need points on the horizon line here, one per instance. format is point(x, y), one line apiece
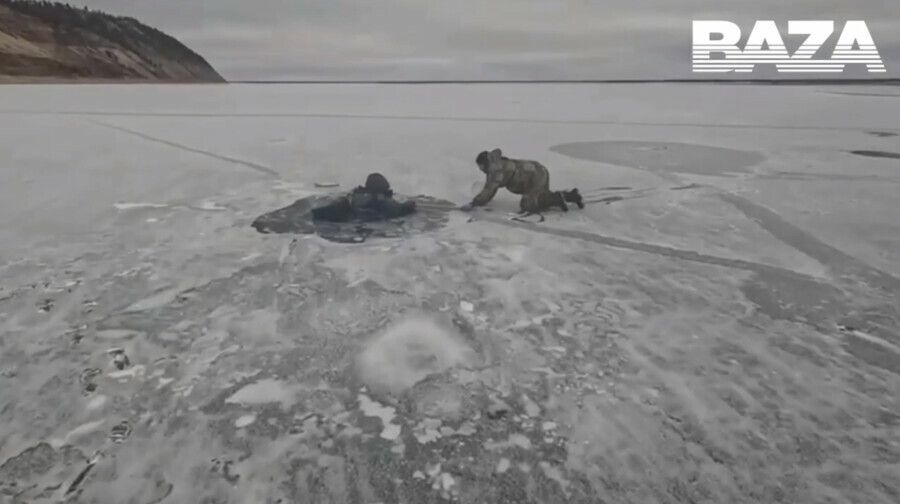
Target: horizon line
point(796, 81)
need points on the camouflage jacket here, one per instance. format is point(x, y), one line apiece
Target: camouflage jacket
point(518, 176)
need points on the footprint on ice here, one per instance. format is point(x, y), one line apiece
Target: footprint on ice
point(120, 432)
point(87, 379)
point(119, 359)
point(431, 214)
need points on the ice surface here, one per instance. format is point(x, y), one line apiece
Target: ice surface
point(719, 324)
point(408, 352)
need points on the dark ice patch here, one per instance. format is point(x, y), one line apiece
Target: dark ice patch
point(608, 188)
point(794, 298)
point(882, 134)
point(664, 156)
point(686, 187)
point(876, 154)
point(431, 214)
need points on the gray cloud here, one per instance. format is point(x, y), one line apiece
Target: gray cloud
point(472, 39)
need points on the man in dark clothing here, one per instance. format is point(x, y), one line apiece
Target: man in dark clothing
point(372, 202)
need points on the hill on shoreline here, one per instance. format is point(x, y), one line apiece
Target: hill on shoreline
point(51, 41)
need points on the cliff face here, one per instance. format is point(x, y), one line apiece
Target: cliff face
point(45, 40)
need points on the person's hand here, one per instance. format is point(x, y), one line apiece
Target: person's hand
point(467, 207)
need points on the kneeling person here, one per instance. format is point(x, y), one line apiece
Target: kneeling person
point(524, 177)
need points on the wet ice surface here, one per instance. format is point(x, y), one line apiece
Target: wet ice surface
point(296, 218)
point(720, 326)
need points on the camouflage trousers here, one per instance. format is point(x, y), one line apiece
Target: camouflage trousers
point(541, 201)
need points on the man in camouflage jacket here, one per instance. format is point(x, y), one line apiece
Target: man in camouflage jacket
point(527, 178)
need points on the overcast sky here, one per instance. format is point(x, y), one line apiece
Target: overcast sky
point(475, 39)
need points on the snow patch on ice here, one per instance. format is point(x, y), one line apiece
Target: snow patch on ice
point(375, 409)
point(97, 403)
point(245, 420)
point(133, 206)
point(262, 392)
point(409, 351)
point(211, 206)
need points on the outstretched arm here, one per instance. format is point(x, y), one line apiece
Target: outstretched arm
point(493, 184)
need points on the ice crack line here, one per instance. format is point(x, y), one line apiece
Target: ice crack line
point(249, 164)
point(839, 262)
point(686, 255)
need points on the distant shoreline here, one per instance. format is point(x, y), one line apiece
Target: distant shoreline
point(8, 79)
point(5, 79)
point(773, 82)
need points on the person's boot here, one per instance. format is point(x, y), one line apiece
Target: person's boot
point(574, 196)
point(560, 200)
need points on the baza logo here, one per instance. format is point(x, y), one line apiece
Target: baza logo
point(765, 46)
